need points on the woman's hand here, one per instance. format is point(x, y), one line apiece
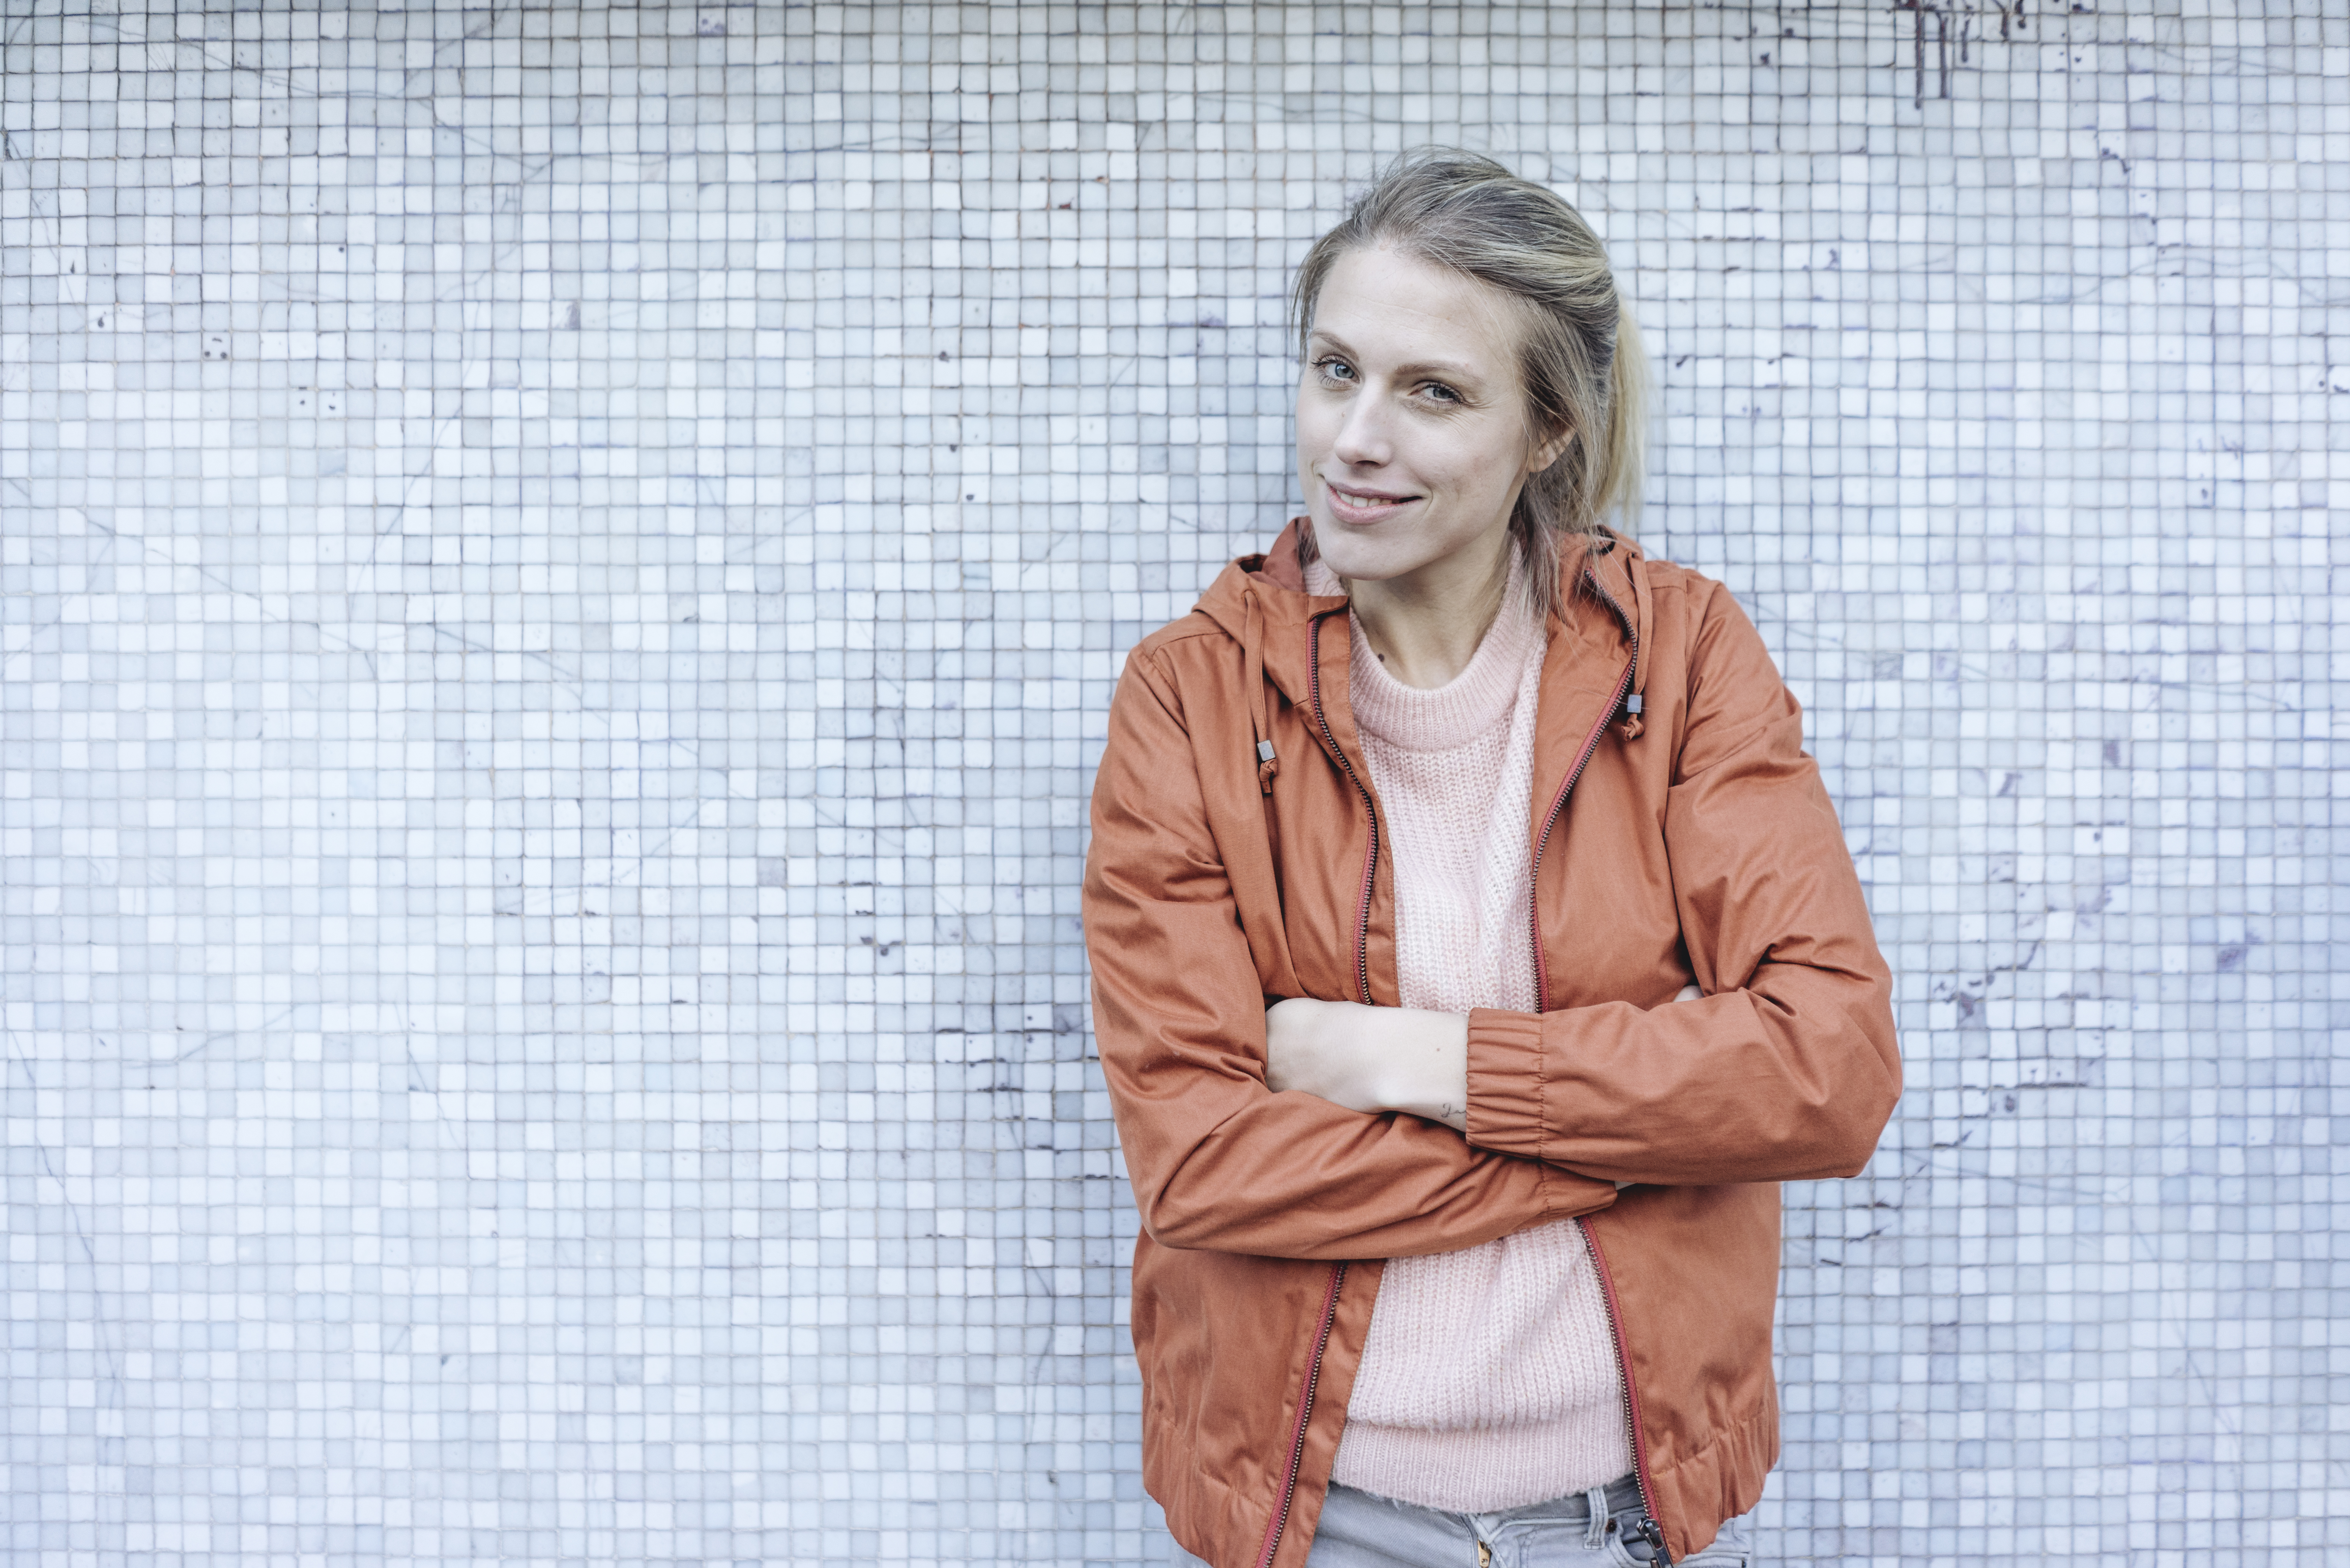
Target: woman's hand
point(1376, 1058)
point(1371, 1058)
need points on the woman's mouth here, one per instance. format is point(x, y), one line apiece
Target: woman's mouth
point(1348, 504)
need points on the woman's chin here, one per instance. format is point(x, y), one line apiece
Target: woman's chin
point(1368, 555)
point(1352, 550)
point(1349, 560)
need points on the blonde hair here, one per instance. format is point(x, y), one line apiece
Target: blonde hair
point(1579, 353)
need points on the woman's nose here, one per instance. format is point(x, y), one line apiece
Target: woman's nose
point(1362, 436)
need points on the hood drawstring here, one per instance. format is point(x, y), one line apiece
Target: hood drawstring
point(1644, 626)
point(1634, 701)
point(1260, 720)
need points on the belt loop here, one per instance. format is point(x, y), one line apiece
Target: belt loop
point(1594, 1534)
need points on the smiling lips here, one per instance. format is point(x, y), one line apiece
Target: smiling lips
point(1359, 506)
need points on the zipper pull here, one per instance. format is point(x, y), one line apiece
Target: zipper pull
point(1632, 725)
point(1650, 1531)
point(1484, 1555)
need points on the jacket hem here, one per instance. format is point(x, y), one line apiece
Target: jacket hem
point(1718, 1482)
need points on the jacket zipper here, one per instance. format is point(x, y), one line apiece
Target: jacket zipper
point(1280, 1519)
point(1654, 1528)
point(1541, 998)
point(1370, 814)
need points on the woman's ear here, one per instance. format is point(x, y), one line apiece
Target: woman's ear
point(1550, 448)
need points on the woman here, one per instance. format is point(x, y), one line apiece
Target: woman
point(1461, 1239)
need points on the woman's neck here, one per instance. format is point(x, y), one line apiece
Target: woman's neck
point(1426, 627)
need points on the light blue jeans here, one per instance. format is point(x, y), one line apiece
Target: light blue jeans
point(1597, 1529)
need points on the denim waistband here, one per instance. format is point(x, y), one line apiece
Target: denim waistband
point(1623, 1496)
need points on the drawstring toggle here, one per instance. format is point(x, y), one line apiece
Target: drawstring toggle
point(1253, 675)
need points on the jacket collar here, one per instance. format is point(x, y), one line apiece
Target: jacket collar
point(1615, 566)
point(1279, 621)
point(1603, 605)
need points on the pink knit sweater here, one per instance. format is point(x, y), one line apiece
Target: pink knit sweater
point(1488, 1379)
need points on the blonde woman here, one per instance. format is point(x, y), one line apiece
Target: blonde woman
point(1475, 950)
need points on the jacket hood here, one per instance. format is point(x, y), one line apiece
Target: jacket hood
point(1261, 602)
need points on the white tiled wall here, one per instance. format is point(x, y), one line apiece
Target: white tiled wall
point(563, 566)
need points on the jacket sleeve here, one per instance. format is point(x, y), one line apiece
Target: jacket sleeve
point(1218, 1161)
point(1787, 1068)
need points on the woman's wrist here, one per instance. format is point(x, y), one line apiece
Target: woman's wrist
point(1425, 1065)
point(1372, 1059)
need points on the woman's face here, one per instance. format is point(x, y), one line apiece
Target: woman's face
point(1411, 421)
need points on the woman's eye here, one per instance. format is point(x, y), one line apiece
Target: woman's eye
point(1442, 393)
point(1336, 369)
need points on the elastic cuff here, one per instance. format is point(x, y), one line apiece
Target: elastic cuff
point(1505, 1081)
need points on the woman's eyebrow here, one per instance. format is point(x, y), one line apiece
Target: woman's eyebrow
point(1448, 369)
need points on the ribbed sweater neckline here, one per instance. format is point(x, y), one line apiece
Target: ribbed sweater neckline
point(1443, 718)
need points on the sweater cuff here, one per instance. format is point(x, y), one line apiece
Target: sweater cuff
point(1506, 1082)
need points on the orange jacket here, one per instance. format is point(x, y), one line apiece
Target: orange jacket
point(1680, 833)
